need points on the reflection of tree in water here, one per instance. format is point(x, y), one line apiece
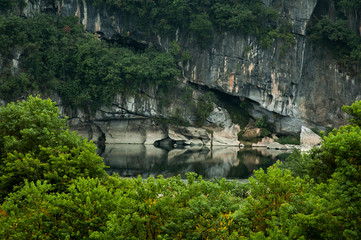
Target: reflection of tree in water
point(239, 168)
point(232, 162)
point(253, 160)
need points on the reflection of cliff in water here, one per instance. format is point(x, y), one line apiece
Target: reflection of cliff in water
point(131, 160)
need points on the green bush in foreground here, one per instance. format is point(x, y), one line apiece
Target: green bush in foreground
point(121, 208)
point(54, 201)
point(35, 144)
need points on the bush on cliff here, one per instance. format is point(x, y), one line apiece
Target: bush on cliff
point(199, 18)
point(55, 54)
point(333, 30)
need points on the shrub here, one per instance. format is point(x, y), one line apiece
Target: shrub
point(35, 144)
point(289, 139)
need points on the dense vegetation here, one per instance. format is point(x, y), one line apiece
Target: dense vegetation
point(56, 54)
point(201, 18)
point(334, 31)
point(35, 144)
point(48, 199)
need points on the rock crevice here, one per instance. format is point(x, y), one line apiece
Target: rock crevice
point(292, 85)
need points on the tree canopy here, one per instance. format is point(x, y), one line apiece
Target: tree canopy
point(333, 30)
point(57, 55)
point(36, 144)
point(319, 201)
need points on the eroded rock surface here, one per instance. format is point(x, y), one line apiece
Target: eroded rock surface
point(308, 137)
point(289, 85)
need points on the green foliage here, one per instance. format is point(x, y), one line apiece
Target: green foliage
point(59, 191)
point(273, 207)
point(204, 107)
point(186, 56)
point(34, 211)
point(290, 139)
point(13, 33)
point(349, 4)
point(354, 111)
point(122, 208)
point(283, 156)
point(15, 86)
point(199, 18)
point(265, 125)
point(35, 144)
point(240, 135)
point(26, 125)
point(265, 132)
point(57, 55)
point(201, 27)
point(336, 167)
point(6, 5)
point(339, 152)
point(301, 164)
point(174, 48)
point(337, 35)
point(262, 122)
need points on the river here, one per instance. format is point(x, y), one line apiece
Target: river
point(131, 160)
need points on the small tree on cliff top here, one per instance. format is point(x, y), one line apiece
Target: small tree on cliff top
point(35, 144)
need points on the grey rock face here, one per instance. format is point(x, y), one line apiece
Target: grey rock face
point(308, 137)
point(219, 117)
point(294, 85)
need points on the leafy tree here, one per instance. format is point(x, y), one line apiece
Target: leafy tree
point(35, 212)
point(22, 217)
point(338, 153)
point(35, 144)
point(336, 166)
point(273, 207)
point(204, 107)
point(121, 208)
point(57, 55)
point(201, 27)
point(13, 33)
point(335, 34)
point(349, 4)
point(199, 17)
point(354, 111)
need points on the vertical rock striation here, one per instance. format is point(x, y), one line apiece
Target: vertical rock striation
point(294, 85)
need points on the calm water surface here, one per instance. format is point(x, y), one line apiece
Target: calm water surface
point(131, 160)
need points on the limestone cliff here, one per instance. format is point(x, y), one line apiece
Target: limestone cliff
point(297, 85)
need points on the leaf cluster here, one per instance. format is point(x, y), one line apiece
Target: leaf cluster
point(321, 203)
point(205, 106)
point(57, 55)
point(336, 167)
point(336, 34)
point(35, 144)
point(199, 18)
point(121, 208)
